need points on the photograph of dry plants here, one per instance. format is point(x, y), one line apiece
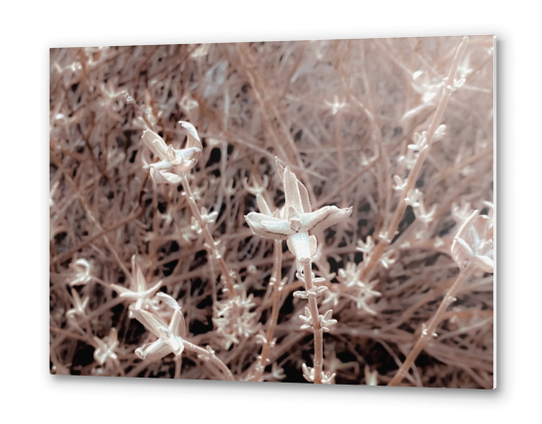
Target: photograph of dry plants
point(304, 211)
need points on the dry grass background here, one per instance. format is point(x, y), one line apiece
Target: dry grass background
point(341, 114)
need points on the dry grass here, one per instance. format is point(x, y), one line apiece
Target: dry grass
point(340, 114)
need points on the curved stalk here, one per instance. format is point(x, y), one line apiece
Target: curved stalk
point(208, 237)
point(428, 332)
point(413, 175)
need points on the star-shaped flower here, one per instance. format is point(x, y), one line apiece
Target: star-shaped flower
point(308, 373)
point(106, 347)
point(169, 336)
point(179, 161)
point(296, 219)
point(474, 243)
point(138, 291)
point(336, 105)
point(365, 296)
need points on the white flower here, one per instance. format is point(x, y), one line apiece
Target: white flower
point(413, 198)
point(308, 374)
point(409, 160)
point(106, 347)
point(423, 215)
point(428, 88)
point(138, 291)
point(440, 133)
point(388, 258)
point(208, 217)
point(400, 184)
point(82, 269)
point(326, 321)
point(366, 247)
point(366, 295)
point(277, 372)
point(460, 214)
point(336, 105)
point(233, 319)
point(313, 292)
point(256, 187)
point(307, 319)
point(297, 219)
point(474, 243)
point(349, 276)
point(420, 141)
point(371, 377)
point(332, 297)
point(169, 336)
point(180, 161)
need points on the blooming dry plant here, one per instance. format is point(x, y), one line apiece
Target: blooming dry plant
point(177, 172)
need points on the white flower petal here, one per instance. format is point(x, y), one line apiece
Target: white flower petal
point(153, 351)
point(138, 280)
point(165, 177)
point(279, 226)
point(301, 246)
point(152, 323)
point(193, 139)
point(291, 191)
point(333, 216)
point(122, 290)
point(163, 165)
point(168, 300)
point(313, 245)
point(262, 204)
point(305, 200)
point(184, 155)
point(484, 263)
point(178, 325)
point(255, 222)
point(156, 144)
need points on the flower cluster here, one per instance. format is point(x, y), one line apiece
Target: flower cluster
point(234, 319)
point(351, 287)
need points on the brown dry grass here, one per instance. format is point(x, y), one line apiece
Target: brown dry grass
point(340, 114)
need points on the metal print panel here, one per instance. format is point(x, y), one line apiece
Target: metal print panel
point(301, 211)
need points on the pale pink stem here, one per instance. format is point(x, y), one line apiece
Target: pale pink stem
point(427, 332)
point(317, 328)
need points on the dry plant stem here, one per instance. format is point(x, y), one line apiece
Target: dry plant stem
point(90, 214)
point(178, 366)
point(317, 328)
point(427, 334)
point(340, 148)
point(202, 353)
point(277, 291)
point(290, 148)
point(154, 243)
point(413, 175)
point(69, 253)
point(315, 102)
point(208, 237)
point(209, 358)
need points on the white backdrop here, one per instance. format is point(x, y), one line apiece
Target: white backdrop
point(28, 31)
